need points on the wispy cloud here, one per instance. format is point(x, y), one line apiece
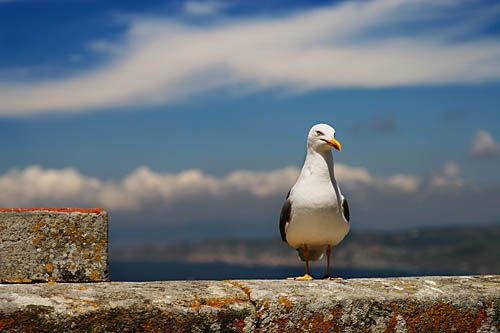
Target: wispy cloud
point(352, 44)
point(484, 146)
point(203, 8)
point(193, 197)
point(104, 46)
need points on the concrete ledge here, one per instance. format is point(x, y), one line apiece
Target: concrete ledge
point(439, 304)
point(53, 244)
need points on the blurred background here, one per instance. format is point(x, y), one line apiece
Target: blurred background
point(187, 122)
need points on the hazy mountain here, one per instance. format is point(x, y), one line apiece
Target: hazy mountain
point(454, 250)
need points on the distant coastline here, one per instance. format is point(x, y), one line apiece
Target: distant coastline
point(446, 251)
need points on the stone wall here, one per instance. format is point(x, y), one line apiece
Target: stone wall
point(417, 304)
point(53, 244)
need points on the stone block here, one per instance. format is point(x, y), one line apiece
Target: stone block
point(53, 244)
point(412, 304)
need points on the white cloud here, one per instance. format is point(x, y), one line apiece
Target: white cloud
point(35, 186)
point(352, 174)
point(143, 186)
point(250, 198)
point(484, 146)
point(404, 182)
point(447, 176)
point(163, 60)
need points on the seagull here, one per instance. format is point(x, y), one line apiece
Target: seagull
point(315, 214)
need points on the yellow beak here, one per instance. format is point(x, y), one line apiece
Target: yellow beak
point(334, 143)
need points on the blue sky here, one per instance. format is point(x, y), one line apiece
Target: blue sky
point(153, 108)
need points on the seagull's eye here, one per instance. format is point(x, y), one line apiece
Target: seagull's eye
point(319, 133)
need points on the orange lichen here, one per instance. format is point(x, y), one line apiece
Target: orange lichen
point(39, 224)
point(238, 326)
point(94, 275)
point(18, 322)
point(49, 267)
point(245, 289)
point(147, 327)
point(319, 324)
point(63, 210)
point(92, 303)
point(57, 235)
point(7, 322)
point(390, 325)
point(97, 247)
point(216, 302)
point(441, 317)
point(37, 239)
point(18, 279)
point(282, 323)
point(288, 305)
point(92, 238)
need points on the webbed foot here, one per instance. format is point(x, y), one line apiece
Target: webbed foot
point(306, 277)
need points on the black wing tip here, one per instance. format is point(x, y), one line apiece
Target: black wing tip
point(285, 217)
point(345, 207)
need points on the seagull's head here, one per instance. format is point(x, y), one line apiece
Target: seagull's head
point(322, 137)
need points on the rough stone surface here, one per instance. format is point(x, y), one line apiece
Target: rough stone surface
point(53, 244)
point(420, 304)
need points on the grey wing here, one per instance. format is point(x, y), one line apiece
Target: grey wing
point(285, 216)
point(345, 209)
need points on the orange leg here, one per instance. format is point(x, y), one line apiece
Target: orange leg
point(328, 254)
point(307, 276)
point(306, 254)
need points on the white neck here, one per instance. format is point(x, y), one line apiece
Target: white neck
point(318, 165)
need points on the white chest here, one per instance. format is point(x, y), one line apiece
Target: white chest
point(315, 217)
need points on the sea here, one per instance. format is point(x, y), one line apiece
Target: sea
point(171, 270)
